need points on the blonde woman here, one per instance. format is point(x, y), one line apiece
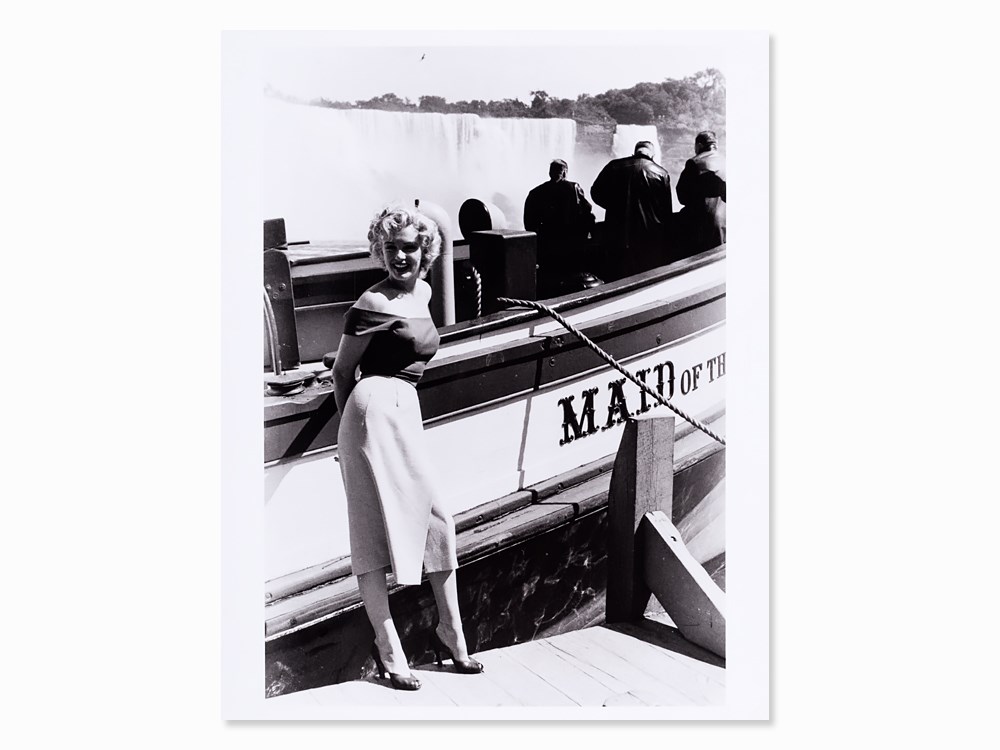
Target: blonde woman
point(395, 518)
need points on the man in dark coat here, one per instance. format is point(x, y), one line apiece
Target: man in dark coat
point(562, 217)
point(702, 189)
point(635, 192)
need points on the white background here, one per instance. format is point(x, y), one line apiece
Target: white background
point(883, 403)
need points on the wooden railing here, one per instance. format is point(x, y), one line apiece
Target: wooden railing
point(646, 554)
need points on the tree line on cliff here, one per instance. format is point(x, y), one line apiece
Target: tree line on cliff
point(696, 102)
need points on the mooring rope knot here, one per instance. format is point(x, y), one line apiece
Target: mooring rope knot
point(609, 359)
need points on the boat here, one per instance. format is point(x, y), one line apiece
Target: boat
point(524, 421)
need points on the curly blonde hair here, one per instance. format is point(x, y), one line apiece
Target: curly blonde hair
point(391, 220)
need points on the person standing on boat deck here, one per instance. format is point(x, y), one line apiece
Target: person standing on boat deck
point(562, 217)
point(701, 188)
point(635, 193)
point(395, 517)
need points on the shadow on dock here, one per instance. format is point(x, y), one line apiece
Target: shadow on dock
point(663, 636)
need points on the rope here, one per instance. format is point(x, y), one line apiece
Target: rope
point(610, 360)
point(479, 290)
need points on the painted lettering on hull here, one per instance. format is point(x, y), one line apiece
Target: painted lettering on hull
point(571, 421)
point(667, 383)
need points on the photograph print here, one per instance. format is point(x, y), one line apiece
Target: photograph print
point(493, 337)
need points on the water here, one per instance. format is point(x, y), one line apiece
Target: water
point(327, 171)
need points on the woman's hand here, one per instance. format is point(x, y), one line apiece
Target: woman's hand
point(345, 367)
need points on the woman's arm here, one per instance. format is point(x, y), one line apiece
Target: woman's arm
point(345, 367)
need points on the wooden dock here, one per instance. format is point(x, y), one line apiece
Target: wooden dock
point(630, 664)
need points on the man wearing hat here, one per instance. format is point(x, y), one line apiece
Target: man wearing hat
point(635, 192)
point(562, 217)
point(702, 190)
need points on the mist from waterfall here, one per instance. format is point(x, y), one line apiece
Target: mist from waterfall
point(327, 171)
point(626, 136)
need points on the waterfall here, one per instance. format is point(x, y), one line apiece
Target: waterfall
point(327, 171)
point(626, 136)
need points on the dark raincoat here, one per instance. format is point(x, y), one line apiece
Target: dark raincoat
point(635, 193)
point(701, 188)
point(562, 217)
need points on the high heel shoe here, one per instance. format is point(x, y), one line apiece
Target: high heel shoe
point(463, 666)
point(398, 681)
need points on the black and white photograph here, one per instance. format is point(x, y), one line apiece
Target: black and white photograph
point(499, 375)
point(492, 274)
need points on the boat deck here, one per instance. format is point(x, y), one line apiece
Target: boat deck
point(641, 664)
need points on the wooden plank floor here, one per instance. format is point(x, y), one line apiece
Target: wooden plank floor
point(622, 665)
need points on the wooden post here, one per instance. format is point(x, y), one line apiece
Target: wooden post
point(642, 480)
point(506, 260)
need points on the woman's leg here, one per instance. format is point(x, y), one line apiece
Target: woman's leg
point(441, 561)
point(376, 600)
point(445, 588)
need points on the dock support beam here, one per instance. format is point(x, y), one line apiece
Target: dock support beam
point(687, 592)
point(642, 480)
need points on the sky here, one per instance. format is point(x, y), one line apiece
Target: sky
point(348, 67)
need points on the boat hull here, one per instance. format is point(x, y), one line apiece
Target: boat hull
point(508, 408)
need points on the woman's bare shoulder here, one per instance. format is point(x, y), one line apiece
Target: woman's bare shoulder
point(374, 299)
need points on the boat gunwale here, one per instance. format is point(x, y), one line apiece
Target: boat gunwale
point(317, 405)
point(282, 409)
point(503, 318)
